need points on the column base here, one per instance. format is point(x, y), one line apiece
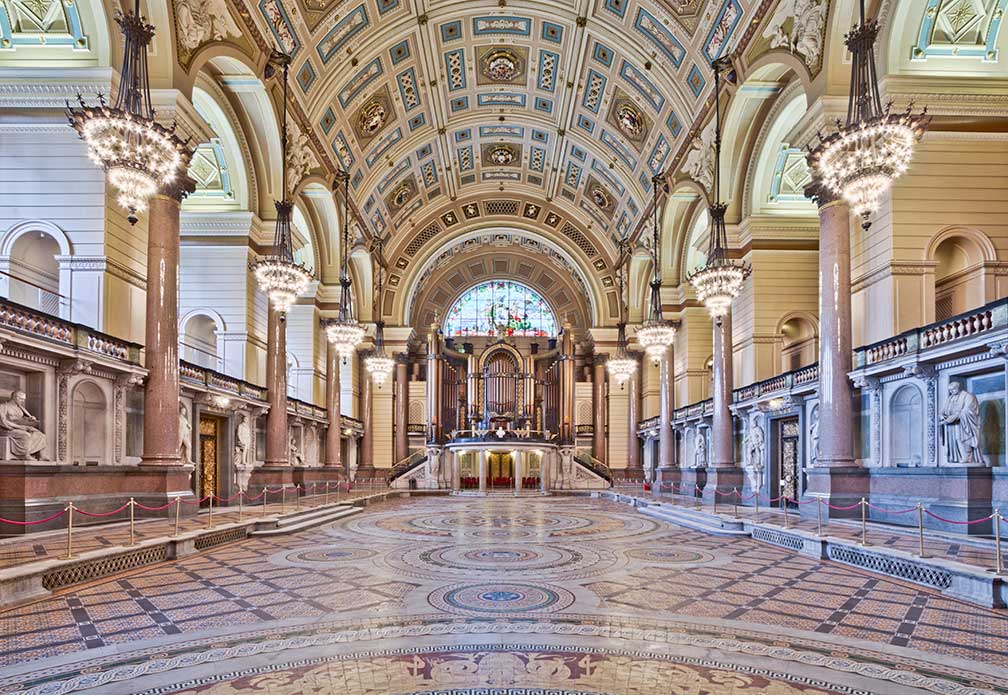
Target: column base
point(269, 476)
point(691, 479)
point(35, 490)
point(724, 480)
point(317, 476)
point(840, 486)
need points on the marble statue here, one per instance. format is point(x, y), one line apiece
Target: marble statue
point(184, 434)
point(960, 420)
point(752, 455)
point(814, 439)
point(295, 452)
point(243, 439)
point(27, 441)
point(805, 36)
point(700, 450)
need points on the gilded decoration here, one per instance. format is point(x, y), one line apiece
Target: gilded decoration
point(375, 113)
point(629, 119)
point(600, 196)
point(501, 155)
point(401, 194)
point(499, 65)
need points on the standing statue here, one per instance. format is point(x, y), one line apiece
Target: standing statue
point(243, 439)
point(814, 439)
point(960, 421)
point(27, 441)
point(184, 434)
point(700, 449)
point(752, 455)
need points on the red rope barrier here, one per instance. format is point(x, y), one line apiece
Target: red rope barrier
point(843, 509)
point(891, 511)
point(157, 509)
point(92, 514)
point(196, 503)
point(225, 500)
point(960, 523)
point(38, 521)
point(253, 499)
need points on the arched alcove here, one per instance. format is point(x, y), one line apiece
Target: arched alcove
point(799, 342)
point(88, 433)
point(33, 273)
point(906, 427)
point(199, 341)
point(960, 282)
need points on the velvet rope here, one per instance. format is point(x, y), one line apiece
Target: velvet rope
point(38, 521)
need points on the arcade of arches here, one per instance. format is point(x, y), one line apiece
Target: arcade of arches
point(199, 492)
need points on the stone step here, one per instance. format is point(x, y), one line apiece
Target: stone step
point(717, 525)
point(284, 526)
point(309, 513)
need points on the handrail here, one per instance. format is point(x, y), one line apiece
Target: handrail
point(415, 458)
point(600, 468)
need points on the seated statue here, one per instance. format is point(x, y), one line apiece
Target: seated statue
point(27, 441)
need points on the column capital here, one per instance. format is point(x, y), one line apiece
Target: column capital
point(178, 188)
point(823, 195)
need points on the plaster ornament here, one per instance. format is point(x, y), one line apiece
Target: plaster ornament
point(300, 157)
point(700, 160)
point(184, 434)
point(243, 439)
point(371, 117)
point(600, 198)
point(960, 421)
point(752, 455)
point(25, 439)
point(804, 35)
point(501, 66)
point(402, 195)
point(630, 119)
point(502, 155)
point(201, 21)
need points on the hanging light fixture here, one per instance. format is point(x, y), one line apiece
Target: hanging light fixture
point(139, 155)
point(344, 332)
point(656, 334)
point(379, 365)
point(718, 281)
point(278, 275)
point(622, 366)
point(866, 154)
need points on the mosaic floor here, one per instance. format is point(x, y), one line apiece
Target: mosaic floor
point(501, 595)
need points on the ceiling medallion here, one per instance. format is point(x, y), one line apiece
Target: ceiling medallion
point(501, 66)
point(402, 195)
point(502, 155)
point(599, 197)
point(630, 119)
point(371, 117)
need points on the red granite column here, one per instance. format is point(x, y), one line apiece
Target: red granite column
point(567, 386)
point(666, 404)
point(161, 394)
point(722, 434)
point(334, 453)
point(401, 395)
point(367, 439)
point(633, 422)
point(599, 407)
point(277, 440)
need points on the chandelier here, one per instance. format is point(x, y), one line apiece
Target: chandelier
point(622, 366)
point(139, 155)
point(865, 155)
point(278, 275)
point(719, 280)
point(656, 335)
point(344, 332)
point(379, 365)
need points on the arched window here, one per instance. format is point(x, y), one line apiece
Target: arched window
point(510, 307)
point(959, 277)
point(799, 343)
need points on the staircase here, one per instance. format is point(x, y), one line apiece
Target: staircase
point(411, 462)
point(597, 467)
point(308, 518)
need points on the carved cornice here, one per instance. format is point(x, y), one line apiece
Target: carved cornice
point(42, 88)
point(892, 268)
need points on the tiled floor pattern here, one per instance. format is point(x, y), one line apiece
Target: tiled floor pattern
point(978, 552)
point(535, 574)
point(86, 537)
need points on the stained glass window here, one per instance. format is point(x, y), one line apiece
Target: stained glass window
point(501, 305)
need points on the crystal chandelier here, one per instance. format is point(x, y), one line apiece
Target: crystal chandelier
point(718, 281)
point(656, 335)
point(278, 275)
point(865, 155)
point(622, 366)
point(139, 155)
point(344, 332)
point(378, 364)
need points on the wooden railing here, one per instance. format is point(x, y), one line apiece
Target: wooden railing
point(37, 324)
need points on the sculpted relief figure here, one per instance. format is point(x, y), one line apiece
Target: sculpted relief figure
point(700, 160)
point(700, 452)
point(295, 452)
point(960, 421)
point(805, 35)
point(243, 439)
point(27, 441)
point(184, 434)
point(753, 454)
point(200, 21)
point(814, 439)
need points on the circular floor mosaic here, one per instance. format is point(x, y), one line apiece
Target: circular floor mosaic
point(501, 560)
point(500, 598)
point(670, 556)
point(322, 555)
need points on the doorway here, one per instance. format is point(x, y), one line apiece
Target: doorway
point(500, 470)
point(786, 471)
point(209, 457)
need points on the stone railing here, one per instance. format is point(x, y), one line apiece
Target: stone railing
point(972, 324)
point(647, 425)
point(215, 381)
point(694, 410)
point(72, 335)
point(781, 383)
point(306, 409)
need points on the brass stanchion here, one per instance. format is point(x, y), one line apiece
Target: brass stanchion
point(132, 504)
point(178, 508)
point(297, 496)
point(864, 521)
point(735, 501)
point(70, 510)
point(327, 493)
point(241, 494)
point(920, 530)
point(715, 498)
point(756, 505)
point(699, 500)
point(283, 498)
point(998, 566)
point(265, 495)
point(818, 511)
point(783, 501)
point(210, 517)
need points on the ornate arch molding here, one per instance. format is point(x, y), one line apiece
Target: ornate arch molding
point(21, 228)
point(981, 240)
point(461, 271)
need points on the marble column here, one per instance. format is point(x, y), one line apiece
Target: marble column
point(482, 471)
point(161, 395)
point(334, 454)
point(666, 404)
point(567, 386)
point(722, 474)
point(836, 477)
point(366, 463)
point(519, 470)
point(277, 441)
point(401, 395)
point(634, 467)
point(599, 409)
